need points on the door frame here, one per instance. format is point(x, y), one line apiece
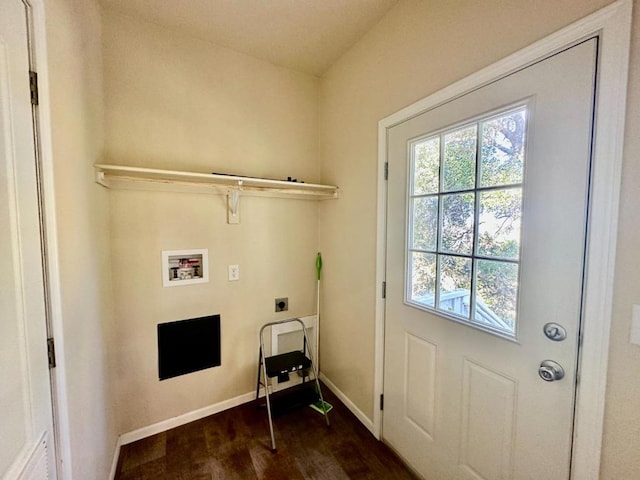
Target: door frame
point(612, 25)
point(60, 407)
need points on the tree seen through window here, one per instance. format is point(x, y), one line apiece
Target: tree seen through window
point(465, 220)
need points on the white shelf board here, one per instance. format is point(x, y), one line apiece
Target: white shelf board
point(124, 177)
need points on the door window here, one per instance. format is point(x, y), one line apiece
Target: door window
point(464, 221)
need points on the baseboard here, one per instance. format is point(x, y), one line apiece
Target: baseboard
point(366, 421)
point(194, 415)
point(114, 463)
point(170, 423)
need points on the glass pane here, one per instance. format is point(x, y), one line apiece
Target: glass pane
point(455, 285)
point(457, 223)
point(425, 223)
point(426, 166)
point(496, 294)
point(499, 223)
point(460, 160)
point(423, 278)
point(502, 152)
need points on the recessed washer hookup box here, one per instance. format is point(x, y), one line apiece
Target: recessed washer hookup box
point(186, 346)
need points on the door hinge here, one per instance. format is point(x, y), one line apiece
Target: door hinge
point(386, 170)
point(33, 86)
point(384, 289)
point(382, 401)
point(51, 352)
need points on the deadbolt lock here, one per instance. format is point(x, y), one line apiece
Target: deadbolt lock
point(554, 331)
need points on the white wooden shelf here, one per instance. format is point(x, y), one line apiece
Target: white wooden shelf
point(115, 176)
point(138, 178)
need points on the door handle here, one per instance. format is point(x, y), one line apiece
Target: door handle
point(550, 371)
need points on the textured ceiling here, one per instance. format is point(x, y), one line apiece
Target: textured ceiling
point(304, 35)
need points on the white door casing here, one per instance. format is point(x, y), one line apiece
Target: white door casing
point(612, 26)
point(27, 447)
point(461, 402)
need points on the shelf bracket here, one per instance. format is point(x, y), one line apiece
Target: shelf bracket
point(100, 178)
point(233, 204)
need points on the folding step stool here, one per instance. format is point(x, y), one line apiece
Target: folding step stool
point(281, 366)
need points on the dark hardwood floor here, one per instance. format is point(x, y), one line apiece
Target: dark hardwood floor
point(235, 444)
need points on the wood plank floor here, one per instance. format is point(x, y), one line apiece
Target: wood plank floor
point(235, 444)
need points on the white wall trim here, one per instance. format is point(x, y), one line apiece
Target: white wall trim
point(613, 26)
point(602, 241)
point(116, 457)
point(366, 421)
point(185, 418)
point(62, 435)
point(381, 275)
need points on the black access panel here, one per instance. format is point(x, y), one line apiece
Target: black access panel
point(187, 346)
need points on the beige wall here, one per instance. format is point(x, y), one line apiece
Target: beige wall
point(176, 102)
point(179, 103)
point(75, 76)
point(418, 48)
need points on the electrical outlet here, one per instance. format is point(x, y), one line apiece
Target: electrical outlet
point(234, 273)
point(282, 304)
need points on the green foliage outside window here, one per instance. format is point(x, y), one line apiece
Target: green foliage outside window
point(446, 203)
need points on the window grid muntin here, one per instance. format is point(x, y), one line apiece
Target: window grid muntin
point(476, 214)
point(477, 190)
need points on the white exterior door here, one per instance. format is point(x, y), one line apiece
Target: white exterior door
point(26, 445)
point(486, 226)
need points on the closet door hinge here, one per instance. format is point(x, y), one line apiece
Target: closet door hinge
point(51, 352)
point(384, 289)
point(382, 401)
point(386, 170)
point(33, 87)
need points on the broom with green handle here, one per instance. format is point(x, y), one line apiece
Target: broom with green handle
point(317, 329)
point(317, 406)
